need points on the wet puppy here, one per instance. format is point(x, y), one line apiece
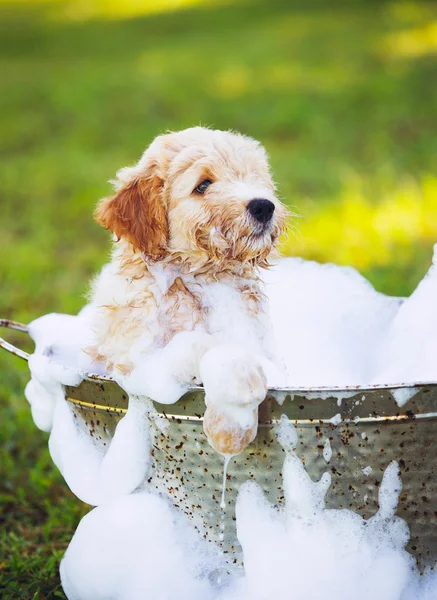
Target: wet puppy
point(194, 222)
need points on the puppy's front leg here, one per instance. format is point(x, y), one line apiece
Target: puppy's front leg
point(235, 385)
point(165, 374)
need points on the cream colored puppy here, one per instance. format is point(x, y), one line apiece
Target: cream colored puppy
point(194, 222)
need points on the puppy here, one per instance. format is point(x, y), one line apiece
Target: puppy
point(194, 222)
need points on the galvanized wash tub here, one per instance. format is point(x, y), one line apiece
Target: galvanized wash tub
point(370, 431)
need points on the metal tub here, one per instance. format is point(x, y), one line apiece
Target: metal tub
point(371, 431)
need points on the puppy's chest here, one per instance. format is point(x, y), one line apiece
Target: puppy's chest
point(232, 311)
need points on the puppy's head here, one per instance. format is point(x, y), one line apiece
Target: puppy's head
point(198, 194)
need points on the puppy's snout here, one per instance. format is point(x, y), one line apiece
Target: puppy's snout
point(262, 210)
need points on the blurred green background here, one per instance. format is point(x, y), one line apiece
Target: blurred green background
point(341, 93)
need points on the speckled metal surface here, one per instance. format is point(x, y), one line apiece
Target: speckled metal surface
point(371, 431)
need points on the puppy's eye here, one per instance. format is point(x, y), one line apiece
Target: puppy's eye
point(201, 188)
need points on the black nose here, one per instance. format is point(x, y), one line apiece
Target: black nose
point(261, 209)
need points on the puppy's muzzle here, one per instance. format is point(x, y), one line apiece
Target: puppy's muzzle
point(261, 209)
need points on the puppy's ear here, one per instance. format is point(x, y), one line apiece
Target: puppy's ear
point(137, 214)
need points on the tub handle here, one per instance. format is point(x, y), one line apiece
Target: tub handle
point(9, 347)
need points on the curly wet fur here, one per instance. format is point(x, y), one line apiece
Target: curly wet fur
point(172, 241)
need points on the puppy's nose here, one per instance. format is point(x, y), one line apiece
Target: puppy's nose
point(261, 209)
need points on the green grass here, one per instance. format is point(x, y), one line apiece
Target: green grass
point(339, 92)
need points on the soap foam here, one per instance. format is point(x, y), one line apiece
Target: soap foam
point(134, 548)
point(328, 322)
point(93, 471)
point(96, 473)
point(141, 547)
point(332, 329)
point(410, 348)
point(329, 328)
point(306, 552)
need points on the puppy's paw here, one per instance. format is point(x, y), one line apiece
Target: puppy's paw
point(232, 376)
point(227, 433)
point(235, 384)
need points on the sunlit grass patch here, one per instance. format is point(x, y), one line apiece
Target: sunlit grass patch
point(411, 43)
point(83, 10)
point(410, 12)
point(382, 230)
